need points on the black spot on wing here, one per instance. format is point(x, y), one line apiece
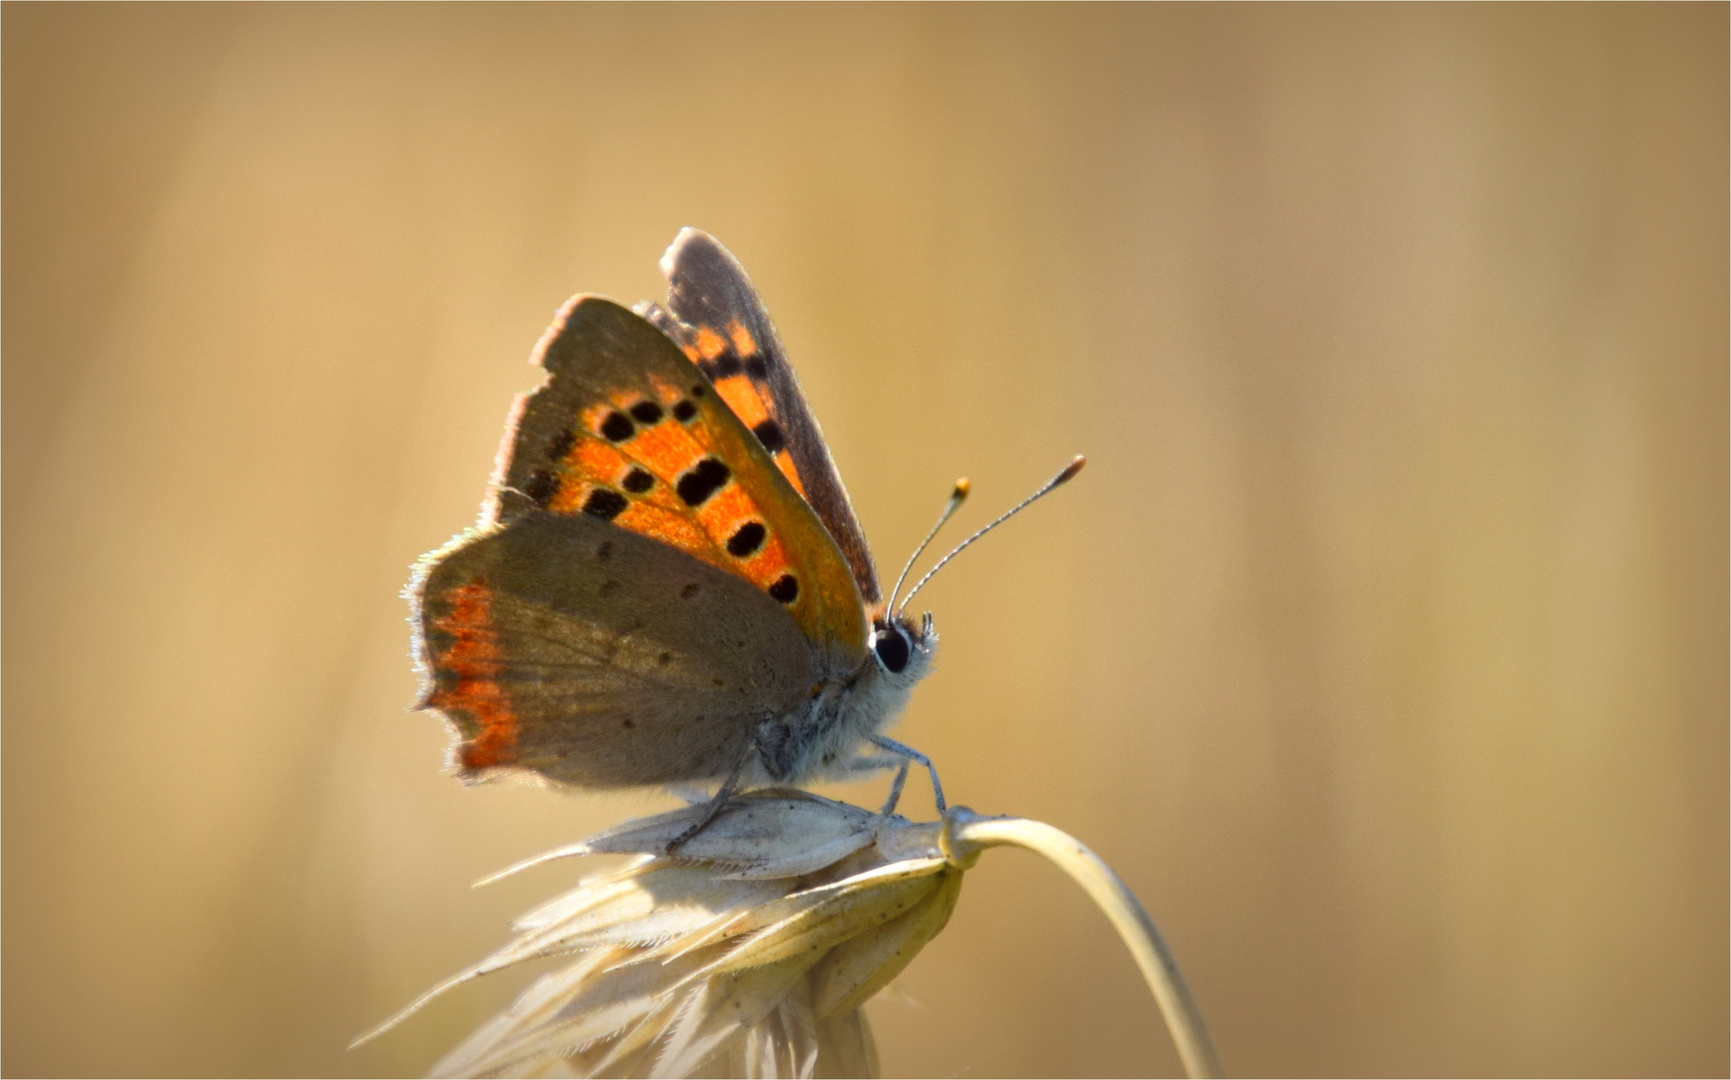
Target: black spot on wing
point(646, 413)
point(746, 540)
point(683, 411)
point(618, 427)
point(723, 366)
point(560, 445)
point(604, 503)
point(701, 481)
point(757, 367)
point(769, 433)
point(637, 481)
point(785, 589)
point(541, 488)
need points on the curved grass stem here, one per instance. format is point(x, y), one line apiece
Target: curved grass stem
point(966, 833)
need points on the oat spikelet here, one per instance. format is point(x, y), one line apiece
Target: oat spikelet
point(749, 953)
point(751, 950)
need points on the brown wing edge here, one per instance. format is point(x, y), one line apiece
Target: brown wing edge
point(490, 507)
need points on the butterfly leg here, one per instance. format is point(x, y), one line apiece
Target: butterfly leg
point(914, 756)
point(896, 789)
point(877, 762)
point(729, 788)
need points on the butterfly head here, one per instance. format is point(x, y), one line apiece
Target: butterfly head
point(903, 649)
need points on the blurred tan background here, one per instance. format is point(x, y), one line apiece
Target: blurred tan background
point(1382, 647)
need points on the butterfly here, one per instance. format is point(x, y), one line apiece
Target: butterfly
point(668, 584)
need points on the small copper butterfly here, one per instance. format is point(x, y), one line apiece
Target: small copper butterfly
point(668, 584)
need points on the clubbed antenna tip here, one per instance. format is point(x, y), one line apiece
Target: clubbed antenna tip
point(961, 492)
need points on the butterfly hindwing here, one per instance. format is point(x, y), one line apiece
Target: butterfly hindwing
point(627, 431)
point(570, 647)
point(717, 317)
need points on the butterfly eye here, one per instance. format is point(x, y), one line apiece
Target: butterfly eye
point(891, 647)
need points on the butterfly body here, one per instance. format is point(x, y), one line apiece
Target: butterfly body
point(667, 584)
point(818, 740)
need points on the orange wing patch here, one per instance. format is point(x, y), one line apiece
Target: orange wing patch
point(743, 343)
point(711, 301)
point(708, 344)
point(630, 430)
point(471, 664)
point(742, 397)
point(652, 465)
point(734, 365)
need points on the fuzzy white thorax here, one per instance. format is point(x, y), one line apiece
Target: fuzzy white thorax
point(827, 739)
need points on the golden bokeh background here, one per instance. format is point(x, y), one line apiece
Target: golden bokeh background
point(1382, 647)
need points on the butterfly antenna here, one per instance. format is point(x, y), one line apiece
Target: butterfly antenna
point(1070, 471)
point(956, 497)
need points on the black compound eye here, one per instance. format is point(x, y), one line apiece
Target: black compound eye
point(892, 648)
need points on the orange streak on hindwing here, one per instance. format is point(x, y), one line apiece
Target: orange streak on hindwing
point(473, 661)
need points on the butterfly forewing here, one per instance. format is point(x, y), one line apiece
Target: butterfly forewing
point(724, 328)
point(570, 647)
point(627, 431)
